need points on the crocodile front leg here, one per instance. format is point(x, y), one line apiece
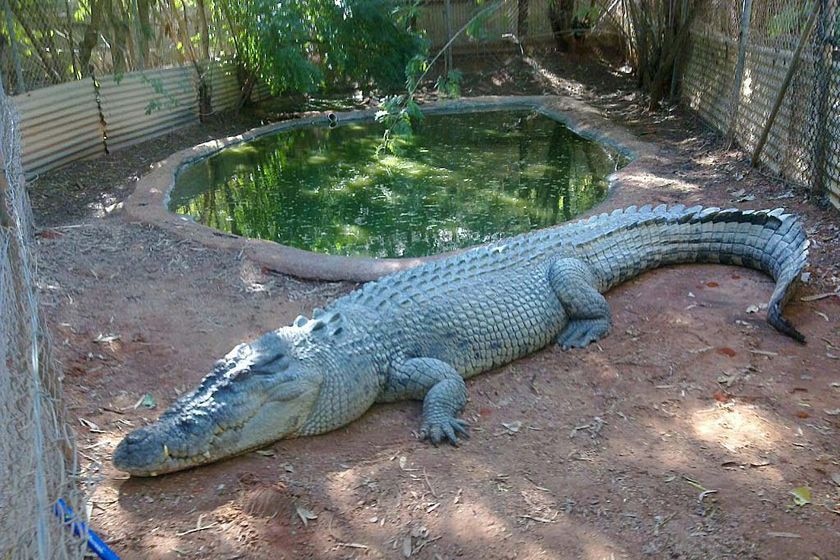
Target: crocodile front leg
point(588, 311)
point(442, 390)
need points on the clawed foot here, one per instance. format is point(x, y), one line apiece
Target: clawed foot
point(582, 332)
point(437, 430)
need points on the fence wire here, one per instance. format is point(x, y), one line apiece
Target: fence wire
point(37, 457)
point(48, 42)
point(803, 141)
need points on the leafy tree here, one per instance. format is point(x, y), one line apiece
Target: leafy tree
point(306, 45)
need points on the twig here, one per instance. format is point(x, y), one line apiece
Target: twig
point(819, 296)
point(537, 519)
point(429, 484)
point(196, 530)
point(352, 545)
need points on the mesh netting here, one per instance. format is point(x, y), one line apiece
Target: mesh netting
point(803, 141)
point(37, 459)
point(47, 42)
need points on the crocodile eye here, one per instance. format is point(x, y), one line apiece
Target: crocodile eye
point(270, 365)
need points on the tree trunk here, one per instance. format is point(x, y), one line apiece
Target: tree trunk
point(144, 28)
point(522, 21)
point(203, 30)
point(90, 38)
point(560, 14)
point(119, 36)
point(661, 80)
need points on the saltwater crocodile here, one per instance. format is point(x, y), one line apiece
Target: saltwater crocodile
point(417, 334)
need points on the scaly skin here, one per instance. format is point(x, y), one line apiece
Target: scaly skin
point(419, 333)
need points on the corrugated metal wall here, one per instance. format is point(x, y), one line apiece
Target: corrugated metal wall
point(59, 124)
point(224, 87)
point(497, 29)
point(65, 123)
point(145, 104)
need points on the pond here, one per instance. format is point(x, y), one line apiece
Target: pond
point(459, 180)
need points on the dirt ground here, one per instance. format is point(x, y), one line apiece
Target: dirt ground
point(690, 432)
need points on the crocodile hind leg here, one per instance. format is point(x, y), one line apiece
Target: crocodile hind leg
point(588, 312)
point(442, 390)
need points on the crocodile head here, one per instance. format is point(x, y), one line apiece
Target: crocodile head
point(258, 393)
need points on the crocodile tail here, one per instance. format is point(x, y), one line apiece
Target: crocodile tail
point(768, 240)
point(792, 256)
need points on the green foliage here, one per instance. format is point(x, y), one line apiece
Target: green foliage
point(450, 84)
point(789, 20)
point(397, 112)
point(306, 45)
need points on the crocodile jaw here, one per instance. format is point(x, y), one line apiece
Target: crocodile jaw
point(257, 395)
point(196, 437)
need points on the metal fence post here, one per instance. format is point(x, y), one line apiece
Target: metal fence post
point(743, 39)
point(822, 91)
point(780, 97)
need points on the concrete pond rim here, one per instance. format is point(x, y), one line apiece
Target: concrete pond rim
point(149, 201)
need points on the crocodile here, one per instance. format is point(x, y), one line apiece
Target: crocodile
point(418, 333)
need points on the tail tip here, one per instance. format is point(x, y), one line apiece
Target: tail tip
point(775, 318)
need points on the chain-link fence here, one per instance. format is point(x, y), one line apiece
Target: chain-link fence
point(47, 42)
point(37, 458)
point(482, 27)
point(768, 74)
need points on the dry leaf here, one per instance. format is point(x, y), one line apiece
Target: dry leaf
point(801, 495)
point(305, 515)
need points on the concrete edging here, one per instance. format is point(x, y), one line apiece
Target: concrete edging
point(148, 202)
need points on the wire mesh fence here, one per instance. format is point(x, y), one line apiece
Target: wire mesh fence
point(768, 73)
point(47, 42)
point(37, 458)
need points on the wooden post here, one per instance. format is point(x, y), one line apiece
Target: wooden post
point(809, 25)
point(735, 97)
point(447, 20)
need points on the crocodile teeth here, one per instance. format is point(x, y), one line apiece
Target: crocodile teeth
point(165, 451)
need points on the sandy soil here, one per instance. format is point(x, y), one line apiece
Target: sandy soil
point(681, 435)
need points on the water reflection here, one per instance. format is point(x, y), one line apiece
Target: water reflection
point(459, 181)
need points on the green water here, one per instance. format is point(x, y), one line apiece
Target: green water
point(460, 180)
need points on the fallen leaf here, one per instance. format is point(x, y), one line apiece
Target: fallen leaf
point(512, 427)
point(91, 426)
point(305, 515)
point(801, 495)
point(720, 396)
point(726, 351)
point(106, 338)
point(835, 478)
point(265, 452)
point(147, 401)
